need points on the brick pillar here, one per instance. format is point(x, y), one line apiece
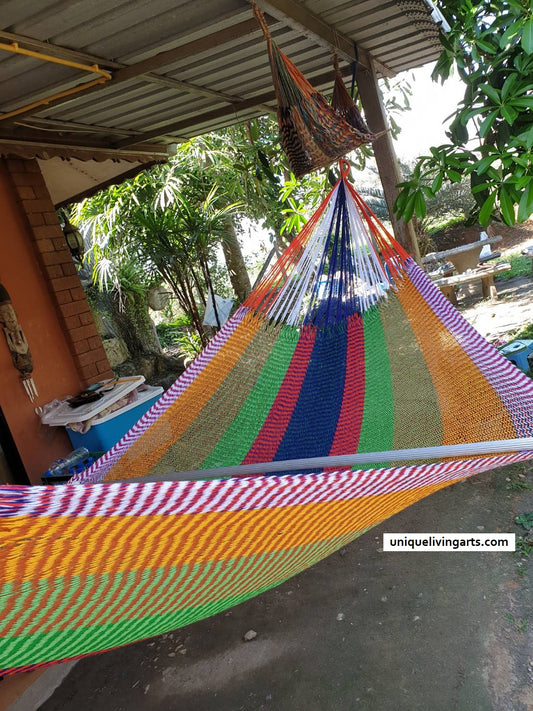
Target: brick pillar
point(59, 270)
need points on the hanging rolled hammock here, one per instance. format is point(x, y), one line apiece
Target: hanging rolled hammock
point(344, 350)
point(313, 133)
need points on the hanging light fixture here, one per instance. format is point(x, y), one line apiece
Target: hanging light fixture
point(73, 238)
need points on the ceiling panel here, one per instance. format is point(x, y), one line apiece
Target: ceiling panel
point(216, 44)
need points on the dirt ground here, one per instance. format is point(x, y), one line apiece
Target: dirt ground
point(498, 322)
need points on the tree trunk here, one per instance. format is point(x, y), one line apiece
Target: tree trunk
point(134, 324)
point(238, 273)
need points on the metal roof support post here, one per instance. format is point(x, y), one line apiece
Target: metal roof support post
point(387, 162)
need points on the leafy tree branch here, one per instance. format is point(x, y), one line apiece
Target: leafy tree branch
point(490, 46)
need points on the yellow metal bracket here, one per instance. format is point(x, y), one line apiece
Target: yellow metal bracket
point(92, 68)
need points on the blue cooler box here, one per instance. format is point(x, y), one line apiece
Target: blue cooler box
point(517, 352)
point(104, 433)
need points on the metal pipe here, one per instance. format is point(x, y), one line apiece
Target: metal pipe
point(93, 69)
point(17, 49)
point(347, 461)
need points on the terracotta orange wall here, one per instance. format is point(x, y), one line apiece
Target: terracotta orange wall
point(55, 373)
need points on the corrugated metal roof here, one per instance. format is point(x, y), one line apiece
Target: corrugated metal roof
point(215, 70)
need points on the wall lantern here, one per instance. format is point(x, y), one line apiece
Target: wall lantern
point(73, 238)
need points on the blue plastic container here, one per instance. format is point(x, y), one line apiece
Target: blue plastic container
point(106, 433)
point(517, 352)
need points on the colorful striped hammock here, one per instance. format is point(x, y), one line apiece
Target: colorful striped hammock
point(345, 348)
point(313, 133)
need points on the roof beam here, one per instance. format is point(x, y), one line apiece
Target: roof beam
point(202, 44)
point(176, 126)
point(150, 151)
point(145, 68)
point(258, 102)
point(187, 86)
point(295, 15)
point(58, 125)
point(56, 51)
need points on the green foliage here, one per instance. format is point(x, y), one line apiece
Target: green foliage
point(450, 222)
point(170, 333)
point(517, 484)
point(525, 520)
point(524, 548)
point(190, 345)
point(164, 225)
point(519, 625)
point(526, 333)
point(490, 45)
point(179, 333)
point(520, 266)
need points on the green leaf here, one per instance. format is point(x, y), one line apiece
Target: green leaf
point(525, 520)
point(486, 46)
point(401, 201)
point(503, 135)
point(437, 183)
point(525, 206)
point(509, 114)
point(491, 92)
point(509, 33)
point(516, 4)
point(254, 130)
point(508, 84)
point(481, 188)
point(420, 205)
point(454, 176)
point(409, 207)
point(474, 112)
point(523, 102)
point(522, 182)
point(487, 123)
point(507, 206)
point(459, 131)
point(443, 66)
point(527, 37)
point(527, 137)
point(485, 162)
point(486, 210)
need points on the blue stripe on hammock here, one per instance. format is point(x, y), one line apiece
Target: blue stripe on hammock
point(314, 421)
point(334, 296)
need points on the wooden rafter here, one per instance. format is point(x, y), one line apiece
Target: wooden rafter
point(263, 101)
point(299, 18)
point(85, 151)
point(145, 68)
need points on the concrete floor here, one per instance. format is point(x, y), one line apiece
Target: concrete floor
point(363, 630)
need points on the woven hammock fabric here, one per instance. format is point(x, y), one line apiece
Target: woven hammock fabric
point(345, 346)
point(314, 134)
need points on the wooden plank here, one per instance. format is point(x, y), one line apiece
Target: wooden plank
point(474, 275)
point(484, 274)
point(59, 125)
